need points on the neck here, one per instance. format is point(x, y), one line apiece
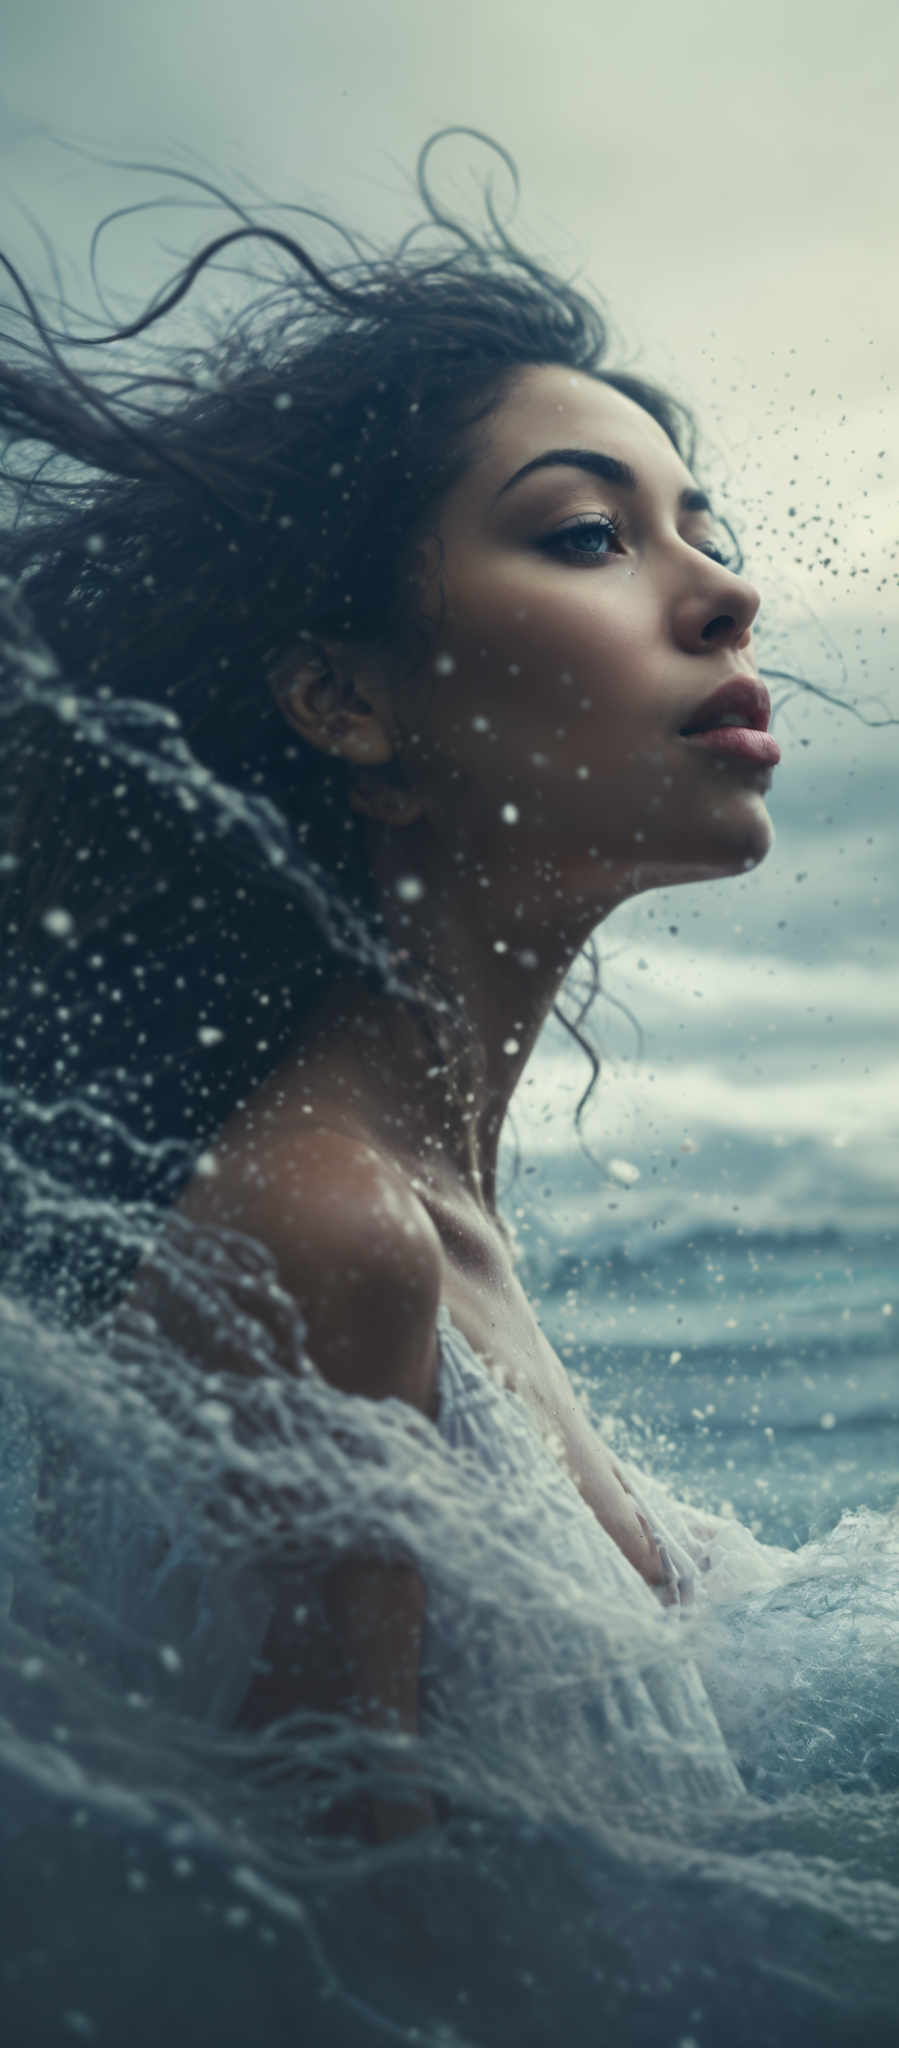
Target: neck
point(500, 954)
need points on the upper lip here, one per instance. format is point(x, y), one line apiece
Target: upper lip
point(744, 694)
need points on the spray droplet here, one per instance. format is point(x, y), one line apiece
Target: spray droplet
point(509, 814)
point(80, 2023)
point(624, 1172)
point(59, 923)
point(443, 664)
point(510, 1045)
point(410, 889)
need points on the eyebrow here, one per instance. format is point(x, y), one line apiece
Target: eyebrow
point(609, 467)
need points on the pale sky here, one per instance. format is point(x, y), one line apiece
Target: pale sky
point(728, 179)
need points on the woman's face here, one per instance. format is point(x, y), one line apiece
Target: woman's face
point(584, 621)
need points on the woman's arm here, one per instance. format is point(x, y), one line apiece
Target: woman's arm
point(361, 1259)
point(362, 1663)
point(378, 1612)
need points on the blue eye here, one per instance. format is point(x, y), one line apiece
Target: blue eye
point(591, 540)
point(586, 531)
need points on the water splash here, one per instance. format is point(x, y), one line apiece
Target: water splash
point(161, 1498)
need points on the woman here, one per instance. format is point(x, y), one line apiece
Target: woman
point(444, 619)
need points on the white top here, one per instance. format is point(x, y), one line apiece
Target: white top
point(624, 1704)
point(539, 1635)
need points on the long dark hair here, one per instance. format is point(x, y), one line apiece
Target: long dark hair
point(181, 872)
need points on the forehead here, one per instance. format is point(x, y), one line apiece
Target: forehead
point(549, 406)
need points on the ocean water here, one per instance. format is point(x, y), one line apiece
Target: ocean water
point(166, 1872)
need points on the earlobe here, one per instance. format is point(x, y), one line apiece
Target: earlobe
point(386, 802)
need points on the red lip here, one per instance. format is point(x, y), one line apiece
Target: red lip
point(742, 694)
point(738, 742)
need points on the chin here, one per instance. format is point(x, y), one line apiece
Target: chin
point(743, 840)
point(758, 839)
point(735, 854)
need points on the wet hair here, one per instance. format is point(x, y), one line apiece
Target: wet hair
point(182, 872)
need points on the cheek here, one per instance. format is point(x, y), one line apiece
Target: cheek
point(537, 689)
point(546, 652)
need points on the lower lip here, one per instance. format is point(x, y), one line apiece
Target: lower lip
point(740, 741)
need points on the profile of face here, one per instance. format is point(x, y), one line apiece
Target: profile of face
point(583, 620)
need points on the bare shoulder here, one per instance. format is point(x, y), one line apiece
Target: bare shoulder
point(353, 1245)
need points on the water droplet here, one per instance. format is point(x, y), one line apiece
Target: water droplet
point(624, 1171)
point(509, 814)
point(217, 1413)
point(444, 664)
point(410, 889)
point(828, 1420)
point(59, 923)
point(79, 2023)
point(209, 1034)
point(282, 401)
point(510, 1045)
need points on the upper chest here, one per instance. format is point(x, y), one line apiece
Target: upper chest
point(488, 1305)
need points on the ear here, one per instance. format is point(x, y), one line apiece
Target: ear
point(320, 699)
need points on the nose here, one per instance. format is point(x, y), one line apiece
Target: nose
point(717, 612)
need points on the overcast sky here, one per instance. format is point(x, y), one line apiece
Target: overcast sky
point(727, 178)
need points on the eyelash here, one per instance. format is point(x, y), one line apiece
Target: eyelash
point(610, 526)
